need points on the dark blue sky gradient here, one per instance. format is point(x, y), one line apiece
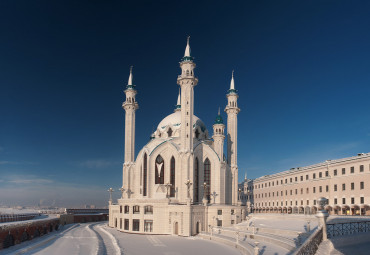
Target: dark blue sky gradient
point(301, 69)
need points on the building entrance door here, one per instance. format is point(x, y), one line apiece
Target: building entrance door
point(176, 228)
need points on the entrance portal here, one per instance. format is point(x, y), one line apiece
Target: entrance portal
point(176, 228)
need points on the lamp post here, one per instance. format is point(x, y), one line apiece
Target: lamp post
point(214, 195)
point(110, 190)
point(122, 191)
point(188, 184)
point(205, 200)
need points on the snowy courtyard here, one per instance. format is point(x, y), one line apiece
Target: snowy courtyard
point(97, 238)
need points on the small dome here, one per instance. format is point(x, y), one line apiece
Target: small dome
point(174, 120)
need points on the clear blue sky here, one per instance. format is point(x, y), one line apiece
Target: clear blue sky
point(301, 69)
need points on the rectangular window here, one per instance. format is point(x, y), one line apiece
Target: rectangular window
point(352, 200)
point(335, 187)
point(307, 177)
point(219, 223)
point(136, 209)
point(232, 212)
point(120, 209)
point(291, 202)
point(301, 190)
point(148, 209)
point(320, 175)
point(335, 172)
point(335, 201)
point(148, 226)
point(327, 188)
point(281, 193)
point(352, 185)
point(219, 212)
point(127, 209)
point(320, 189)
point(286, 193)
point(362, 186)
point(291, 179)
point(120, 223)
point(232, 222)
point(343, 171)
point(314, 176)
point(352, 169)
point(286, 180)
point(343, 200)
point(296, 178)
point(281, 181)
point(362, 200)
point(301, 177)
point(308, 202)
point(314, 189)
point(127, 223)
point(314, 202)
point(296, 191)
point(136, 225)
point(326, 173)
point(343, 186)
point(307, 190)
point(361, 168)
point(291, 192)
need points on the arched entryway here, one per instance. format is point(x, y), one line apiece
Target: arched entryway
point(197, 228)
point(176, 228)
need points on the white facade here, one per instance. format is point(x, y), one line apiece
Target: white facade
point(180, 182)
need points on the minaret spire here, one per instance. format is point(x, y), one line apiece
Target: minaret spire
point(187, 49)
point(130, 77)
point(178, 105)
point(232, 84)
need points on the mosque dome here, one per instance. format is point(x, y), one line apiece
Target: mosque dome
point(173, 121)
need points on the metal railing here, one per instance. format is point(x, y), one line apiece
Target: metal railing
point(347, 228)
point(310, 246)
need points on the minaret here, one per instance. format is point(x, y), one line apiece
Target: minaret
point(130, 106)
point(187, 81)
point(218, 136)
point(232, 111)
point(178, 105)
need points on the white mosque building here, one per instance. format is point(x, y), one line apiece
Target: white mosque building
point(181, 182)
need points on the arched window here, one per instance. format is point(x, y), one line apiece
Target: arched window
point(159, 170)
point(169, 132)
point(197, 133)
point(172, 177)
point(145, 176)
point(207, 178)
point(196, 180)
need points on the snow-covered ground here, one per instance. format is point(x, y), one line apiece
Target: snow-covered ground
point(97, 238)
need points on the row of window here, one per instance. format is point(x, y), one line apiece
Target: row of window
point(362, 186)
point(353, 200)
point(219, 212)
point(148, 209)
point(148, 225)
point(320, 175)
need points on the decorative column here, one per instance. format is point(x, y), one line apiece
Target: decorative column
point(322, 215)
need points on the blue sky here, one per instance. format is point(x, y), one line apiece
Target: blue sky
point(301, 69)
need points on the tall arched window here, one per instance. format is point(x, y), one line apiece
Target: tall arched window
point(207, 178)
point(196, 180)
point(159, 170)
point(145, 174)
point(172, 177)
